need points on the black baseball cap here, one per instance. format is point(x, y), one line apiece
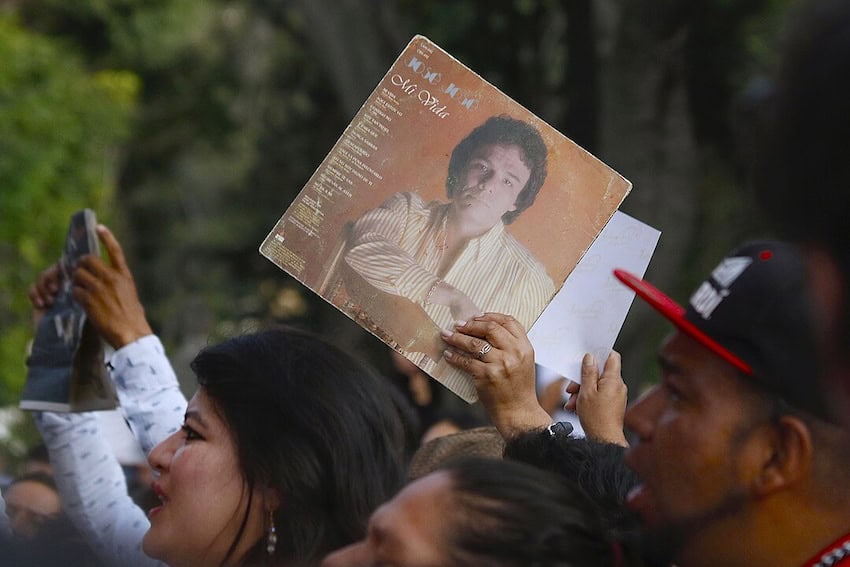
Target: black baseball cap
point(753, 311)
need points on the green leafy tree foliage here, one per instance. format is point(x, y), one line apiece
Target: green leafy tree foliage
point(59, 130)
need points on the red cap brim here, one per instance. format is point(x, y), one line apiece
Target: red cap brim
point(675, 313)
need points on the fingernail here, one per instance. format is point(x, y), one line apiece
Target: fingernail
point(446, 334)
point(479, 315)
point(460, 323)
point(588, 360)
point(448, 354)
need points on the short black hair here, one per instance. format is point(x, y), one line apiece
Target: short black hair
point(596, 467)
point(506, 131)
point(509, 514)
point(312, 422)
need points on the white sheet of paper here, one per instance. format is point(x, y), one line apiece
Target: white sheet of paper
point(589, 310)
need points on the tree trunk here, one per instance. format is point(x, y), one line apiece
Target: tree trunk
point(646, 135)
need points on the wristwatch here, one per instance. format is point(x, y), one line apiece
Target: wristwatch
point(560, 428)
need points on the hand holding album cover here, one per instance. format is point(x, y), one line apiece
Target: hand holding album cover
point(443, 198)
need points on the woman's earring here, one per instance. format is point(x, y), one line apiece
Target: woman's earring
point(271, 540)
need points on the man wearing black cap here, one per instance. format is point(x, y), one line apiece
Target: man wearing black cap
point(740, 459)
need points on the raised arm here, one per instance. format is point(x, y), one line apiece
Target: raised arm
point(145, 381)
point(505, 381)
point(503, 374)
point(88, 476)
point(93, 487)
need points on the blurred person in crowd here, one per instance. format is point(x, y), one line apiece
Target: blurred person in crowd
point(483, 512)
point(37, 461)
point(740, 458)
point(417, 387)
point(260, 470)
point(454, 420)
point(802, 172)
point(431, 401)
point(31, 501)
point(41, 535)
point(439, 412)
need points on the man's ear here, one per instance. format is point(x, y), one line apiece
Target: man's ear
point(787, 458)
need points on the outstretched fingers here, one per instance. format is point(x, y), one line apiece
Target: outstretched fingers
point(113, 248)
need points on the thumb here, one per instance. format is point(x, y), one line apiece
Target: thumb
point(589, 373)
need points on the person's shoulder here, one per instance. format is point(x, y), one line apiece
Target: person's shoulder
point(518, 252)
point(520, 255)
point(406, 200)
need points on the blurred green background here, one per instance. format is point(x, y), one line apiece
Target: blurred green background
point(189, 126)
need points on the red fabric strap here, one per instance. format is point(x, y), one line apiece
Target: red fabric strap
point(837, 553)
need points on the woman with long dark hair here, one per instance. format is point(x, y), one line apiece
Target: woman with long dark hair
point(287, 447)
point(284, 451)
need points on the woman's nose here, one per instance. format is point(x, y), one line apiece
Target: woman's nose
point(160, 456)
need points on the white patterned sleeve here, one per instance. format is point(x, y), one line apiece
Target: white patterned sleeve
point(89, 477)
point(376, 254)
point(148, 390)
point(93, 488)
